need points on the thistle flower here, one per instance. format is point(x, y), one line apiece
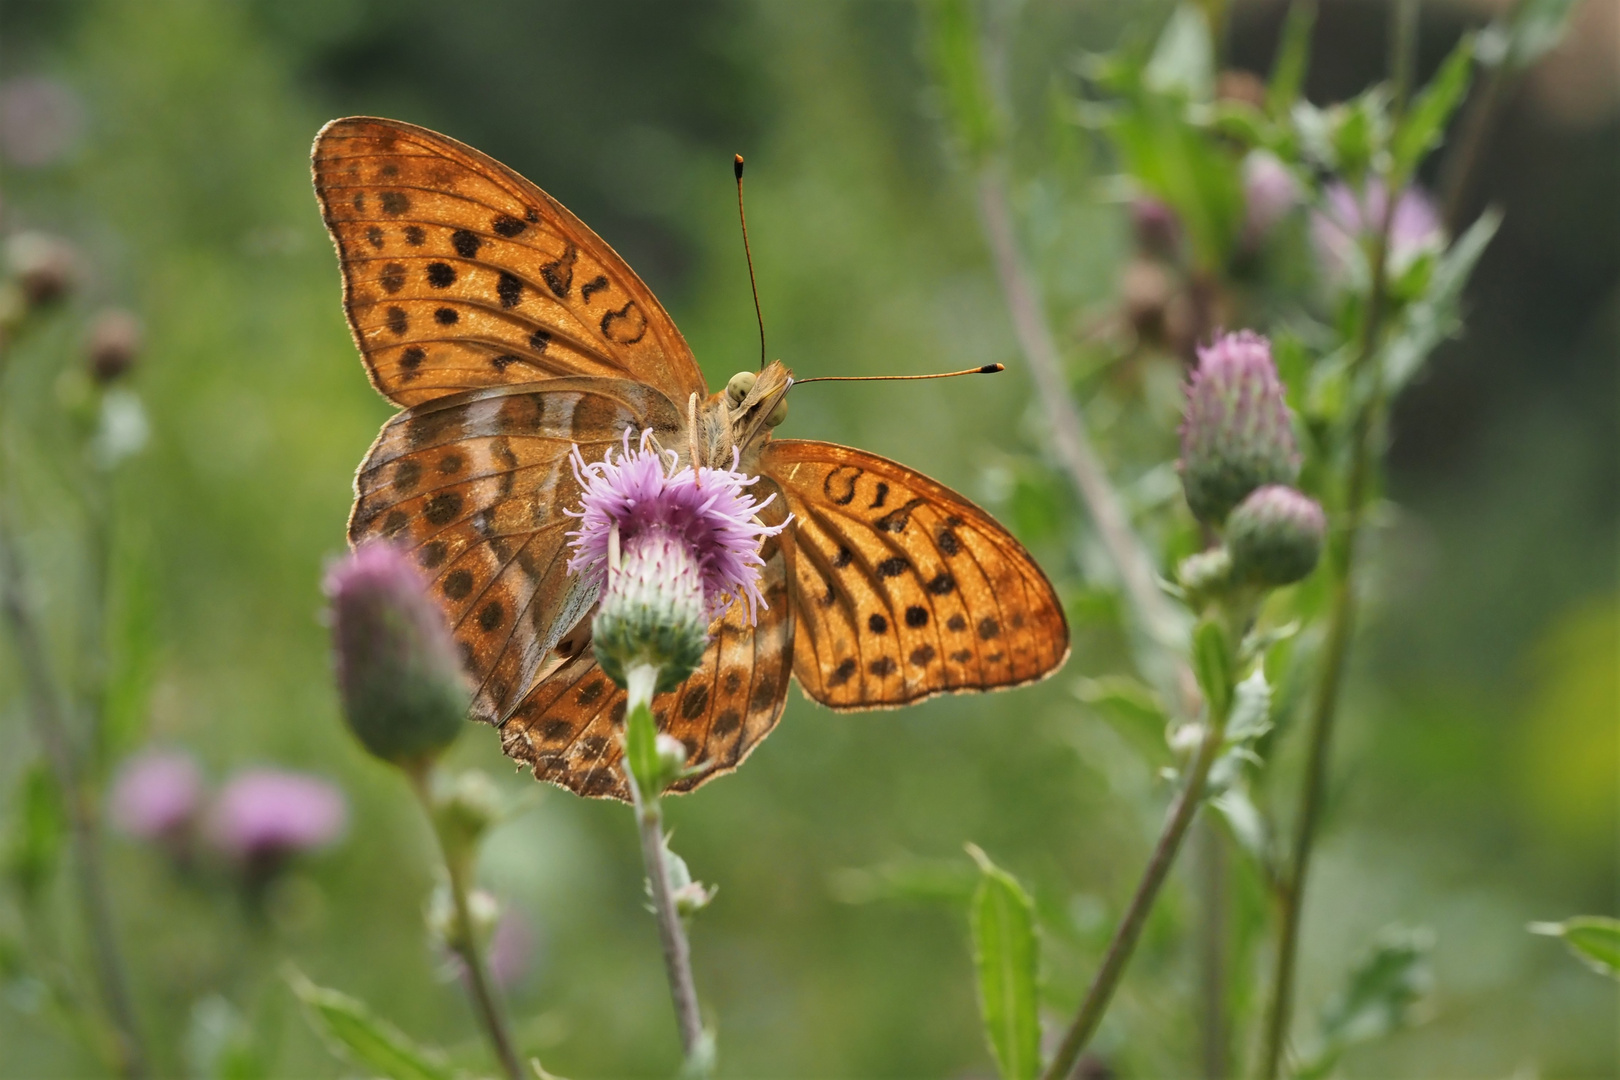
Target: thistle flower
point(1156, 226)
point(671, 547)
point(1343, 225)
point(1275, 536)
point(403, 692)
point(264, 815)
point(1235, 434)
point(156, 795)
point(1270, 192)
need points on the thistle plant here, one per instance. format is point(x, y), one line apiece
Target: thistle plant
point(406, 701)
point(1278, 461)
point(670, 547)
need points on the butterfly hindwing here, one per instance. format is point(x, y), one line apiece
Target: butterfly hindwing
point(458, 273)
point(474, 485)
point(904, 589)
point(569, 726)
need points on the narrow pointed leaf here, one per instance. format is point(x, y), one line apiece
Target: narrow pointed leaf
point(1425, 125)
point(1595, 939)
point(1005, 957)
point(353, 1032)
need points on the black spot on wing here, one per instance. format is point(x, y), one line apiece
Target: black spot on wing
point(509, 288)
point(466, 242)
point(441, 275)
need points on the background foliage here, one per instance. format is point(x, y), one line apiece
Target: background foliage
point(1480, 727)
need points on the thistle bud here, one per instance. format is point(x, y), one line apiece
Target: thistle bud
point(403, 692)
point(1236, 435)
point(45, 266)
point(652, 611)
point(1205, 574)
point(1270, 193)
point(1275, 536)
point(465, 811)
point(114, 342)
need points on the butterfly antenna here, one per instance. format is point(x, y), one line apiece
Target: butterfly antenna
point(987, 369)
point(737, 169)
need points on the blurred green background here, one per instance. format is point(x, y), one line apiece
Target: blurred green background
point(1480, 746)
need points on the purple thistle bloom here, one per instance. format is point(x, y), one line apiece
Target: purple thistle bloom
point(1235, 434)
point(1344, 224)
point(687, 547)
point(706, 509)
point(156, 795)
point(263, 814)
point(1270, 192)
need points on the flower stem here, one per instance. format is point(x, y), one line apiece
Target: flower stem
point(1069, 435)
point(1125, 937)
point(83, 823)
point(1341, 625)
point(671, 931)
point(465, 940)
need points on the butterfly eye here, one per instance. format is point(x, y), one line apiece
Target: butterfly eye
point(778, 412)
point(739, 386)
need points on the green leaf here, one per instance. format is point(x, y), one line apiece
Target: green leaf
point(956, 59)
point(1433, 317)
point(1377, 999)
point(1533, 29)
point(353, 1032)
point(38, 832)
point(1212, 663)
point(1005, 957)
point(1425, 123)
point(1183, 61)
point(1180, 164)
point(1594, 939)
point(1293, 57)
point(1130, 707)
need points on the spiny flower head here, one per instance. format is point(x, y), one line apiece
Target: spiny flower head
point(403, 691)
point(671, 547)
point(1235, 433)
point(1275, 536)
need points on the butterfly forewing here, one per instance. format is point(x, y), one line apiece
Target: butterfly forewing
point(903, 588)
point(474, 485)
point(569, 727)
point(459, 274)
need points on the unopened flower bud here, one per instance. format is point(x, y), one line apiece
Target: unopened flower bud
point(466, 810)
point(483, 910)
point(1275, 536)
point(1145, 290)
point(403, 692)
point(1157, 229)
point(114, 342)
point(1270, 192)
point(1205, 574)
point(45, 266)
point(1236, 435)
point(672, 755)
point(1245, 87)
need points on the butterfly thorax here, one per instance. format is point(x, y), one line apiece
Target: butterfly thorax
point(739, 418)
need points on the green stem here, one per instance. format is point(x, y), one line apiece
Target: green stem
point(1103, 985)
point(1341, 626)
point(83, 820)
point(465, 942)
point(671, 930)
point(1214, 1035)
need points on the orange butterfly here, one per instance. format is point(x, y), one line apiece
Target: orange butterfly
point(510, 332)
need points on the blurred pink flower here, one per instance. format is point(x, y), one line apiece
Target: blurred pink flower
point(511, 948)
point(264, 813)
point(1340, 228)
point(1269, 193)
point(40, 120)
point(155, 794)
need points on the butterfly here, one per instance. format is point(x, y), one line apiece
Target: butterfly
point(510, 333)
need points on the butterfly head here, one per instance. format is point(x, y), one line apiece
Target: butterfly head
point(743, 414)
